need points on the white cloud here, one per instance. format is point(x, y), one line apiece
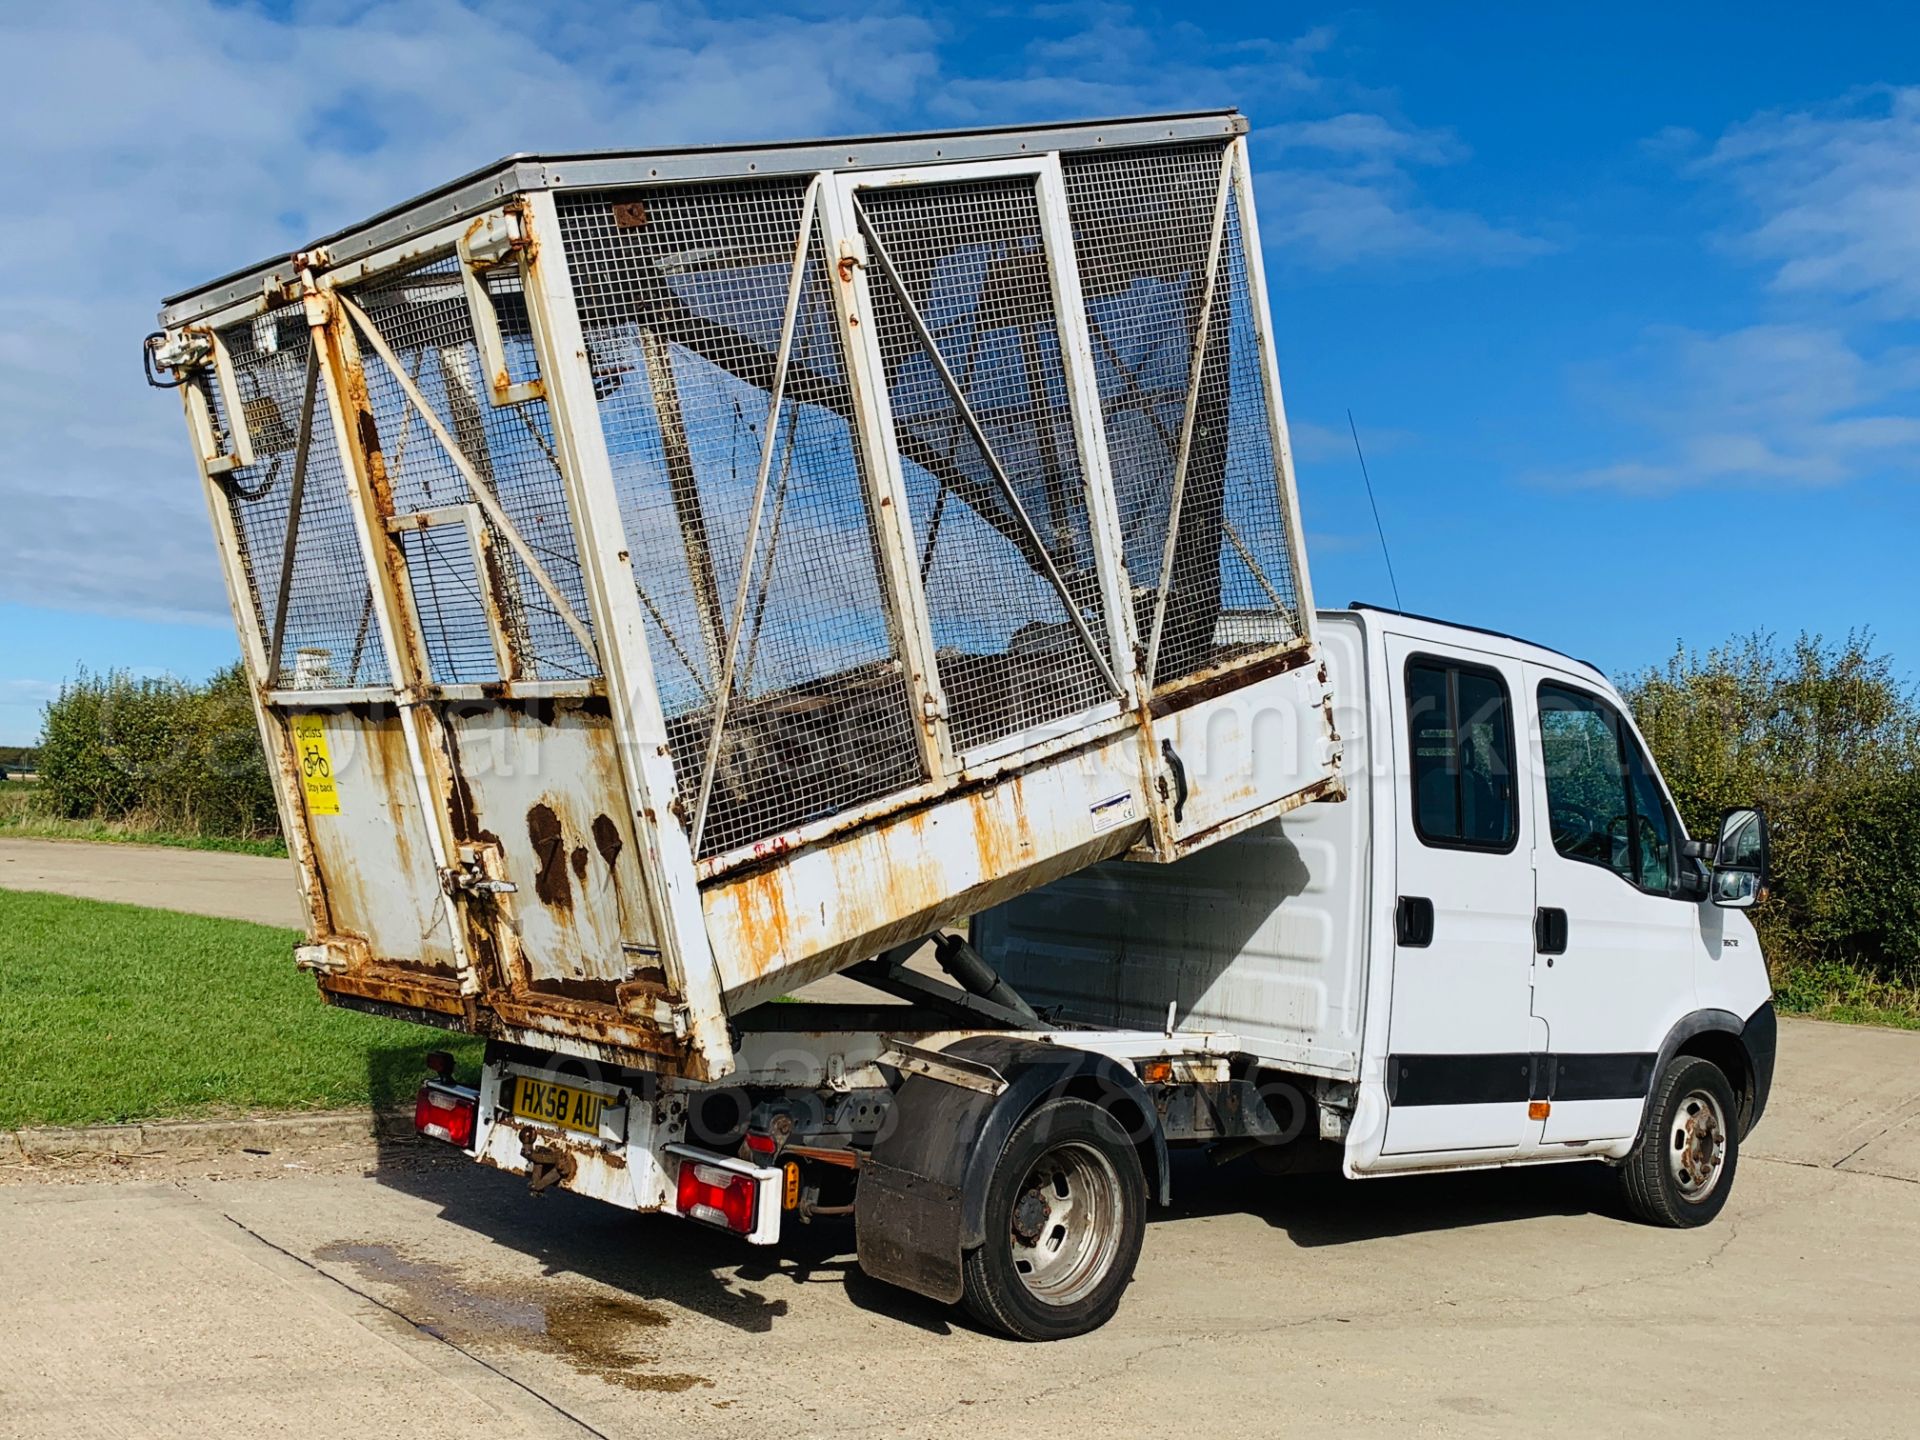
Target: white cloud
point(28, 692)
point(1366, 211)
point(1312, 441)
point(159, 145)
point(1343, 190)
point(168, 144)
point(1832, 197)
point(1828, 200)
point(1776, 405)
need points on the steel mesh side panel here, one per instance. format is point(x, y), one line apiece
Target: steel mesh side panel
point(422, 315)
point(332, 637)
point(1142, 225)
point(681, 294)
point(973, 261)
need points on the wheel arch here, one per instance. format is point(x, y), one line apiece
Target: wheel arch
point(921, 1201)
point(1741, 1049)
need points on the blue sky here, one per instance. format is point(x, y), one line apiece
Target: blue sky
point(1626, 303)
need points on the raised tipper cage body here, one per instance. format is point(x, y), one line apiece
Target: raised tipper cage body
point(668, 578)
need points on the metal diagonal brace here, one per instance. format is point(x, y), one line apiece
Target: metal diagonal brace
point(750, 546)
point(1193, 407)
point(295, 494)
point(481, 493)
point(1147, 408)
point(932, 347)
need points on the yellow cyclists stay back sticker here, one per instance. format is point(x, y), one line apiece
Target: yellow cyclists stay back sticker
point(316, 765)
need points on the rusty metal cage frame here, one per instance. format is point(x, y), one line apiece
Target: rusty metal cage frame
point(508, 217)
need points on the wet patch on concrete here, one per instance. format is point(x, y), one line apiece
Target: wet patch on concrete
point(594, 1332)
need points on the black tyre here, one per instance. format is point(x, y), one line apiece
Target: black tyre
point(1681, 1170)
point(1066, 1212)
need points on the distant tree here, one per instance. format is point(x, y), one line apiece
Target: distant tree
point(176, 755)
point(1826, 739)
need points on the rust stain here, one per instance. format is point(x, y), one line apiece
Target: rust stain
point(1001, 836)
point(1235, 674)
point(591, 1023)
point(413, 991)
point(586, 991)
point(762, 913)
point(606, 839)
point(579, 861)
point(466, 815)
point(549, 853)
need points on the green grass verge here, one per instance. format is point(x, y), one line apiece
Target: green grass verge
point(1841, 993)
point(114, 1013)
point(23, 815)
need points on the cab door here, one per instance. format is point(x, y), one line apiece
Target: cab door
point(1460, 1068)
point(1617, 938)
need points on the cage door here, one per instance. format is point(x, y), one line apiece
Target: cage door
point(997, 444)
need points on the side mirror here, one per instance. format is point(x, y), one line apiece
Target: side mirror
point(1740, 859)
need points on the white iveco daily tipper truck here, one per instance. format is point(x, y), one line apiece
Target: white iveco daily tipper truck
point(670, 579)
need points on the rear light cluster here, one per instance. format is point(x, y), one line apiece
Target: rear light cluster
point(447, 1112)
point(720, 1197)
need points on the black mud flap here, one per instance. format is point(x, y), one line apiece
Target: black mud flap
point(922, 1196)
point(907, 1230)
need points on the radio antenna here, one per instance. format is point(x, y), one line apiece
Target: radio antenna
point(1379, 529)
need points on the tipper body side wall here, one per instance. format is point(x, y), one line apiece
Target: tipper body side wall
point(664, 589)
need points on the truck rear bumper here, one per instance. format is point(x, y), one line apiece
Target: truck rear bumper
point(633, 1153)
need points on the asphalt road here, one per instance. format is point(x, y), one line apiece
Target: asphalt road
point(202, 882)
point(399, 1293)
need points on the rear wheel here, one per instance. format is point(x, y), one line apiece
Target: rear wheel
point(1681, 1170)
point(1066, 1212)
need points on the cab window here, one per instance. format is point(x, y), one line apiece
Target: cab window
point(1604, 803)
point(1462, 732)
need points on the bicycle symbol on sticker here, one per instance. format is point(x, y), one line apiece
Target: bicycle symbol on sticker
point(316, 765)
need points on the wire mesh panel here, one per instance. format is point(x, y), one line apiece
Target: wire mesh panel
point(972, 262)
point(422, 314)
point(1143, 227)
point(682, 294)
point(332, 637)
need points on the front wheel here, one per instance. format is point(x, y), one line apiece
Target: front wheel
point(1681, 1171)
point(1066, 1212)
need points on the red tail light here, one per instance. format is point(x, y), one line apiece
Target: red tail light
point(446, 1112)
point(719, 1197)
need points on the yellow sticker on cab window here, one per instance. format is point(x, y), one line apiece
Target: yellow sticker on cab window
point(316, 765)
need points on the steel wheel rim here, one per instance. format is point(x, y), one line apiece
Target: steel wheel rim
point(1065, 1228)
point(1697, 1146)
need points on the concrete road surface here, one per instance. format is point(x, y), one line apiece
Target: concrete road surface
point(407, 1294)
point(202, 882)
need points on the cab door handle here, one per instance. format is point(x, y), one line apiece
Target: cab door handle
point(1550, 930)
point(1413, 921)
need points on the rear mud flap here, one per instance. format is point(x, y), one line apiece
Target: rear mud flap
point(917, 1246)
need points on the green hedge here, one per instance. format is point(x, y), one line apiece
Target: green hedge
point(166, 754)
point(1826, 739)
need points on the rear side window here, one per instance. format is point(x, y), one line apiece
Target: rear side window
point(1461, 727)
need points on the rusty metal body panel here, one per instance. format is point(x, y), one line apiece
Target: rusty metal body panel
point(667, 580)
